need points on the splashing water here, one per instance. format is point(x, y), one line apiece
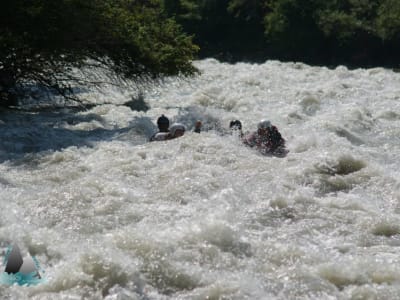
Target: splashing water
point(110, 216)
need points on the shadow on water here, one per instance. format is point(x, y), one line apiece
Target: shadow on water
point(23, 134)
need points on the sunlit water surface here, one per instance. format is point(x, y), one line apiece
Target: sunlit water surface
point(110, 216)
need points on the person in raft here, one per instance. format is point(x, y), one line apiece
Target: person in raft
point(267, 139)
point(163, 127)
point(197, 126)
point(236, 128)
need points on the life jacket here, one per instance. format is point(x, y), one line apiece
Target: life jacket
point(266, 143)
point(275, 138)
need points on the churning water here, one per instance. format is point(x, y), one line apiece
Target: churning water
point(110, 216)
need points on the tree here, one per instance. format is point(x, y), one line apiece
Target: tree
point(358, 32)
point(43, 41)
point(388, 20)
point(226, 29)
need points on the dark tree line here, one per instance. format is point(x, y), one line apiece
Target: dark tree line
point(225, 29)
point(328, 32)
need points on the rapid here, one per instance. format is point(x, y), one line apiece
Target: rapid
point(110, 216)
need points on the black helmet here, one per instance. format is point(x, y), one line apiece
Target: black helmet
point(163, 120)
point(235, 124)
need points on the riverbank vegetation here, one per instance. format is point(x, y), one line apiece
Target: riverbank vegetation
point(42, 42)
point(357, 33)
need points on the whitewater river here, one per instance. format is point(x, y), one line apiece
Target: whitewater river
point(109, 216)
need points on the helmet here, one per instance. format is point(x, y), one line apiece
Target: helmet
point(176, 126)
point(264, 124)
point(163, 120)
point(235, 124)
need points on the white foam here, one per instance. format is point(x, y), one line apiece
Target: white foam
point(111, 215)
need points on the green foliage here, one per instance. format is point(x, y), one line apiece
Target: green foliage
point(388, 20)
point(183, 10)
point(42, 40)
point(333, 30)
point(249, 10)
point(291, 27)
point(222, 28)
point(358, 32)
point(346, 21)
